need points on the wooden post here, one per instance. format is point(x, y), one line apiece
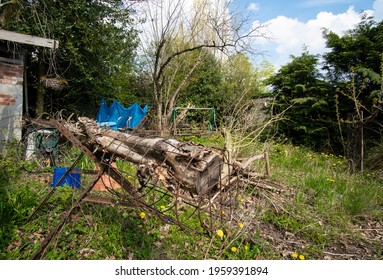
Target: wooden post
point(174, 122)
point(361, 143)
point(268, 171)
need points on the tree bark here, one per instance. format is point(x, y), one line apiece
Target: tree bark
point(192, 167)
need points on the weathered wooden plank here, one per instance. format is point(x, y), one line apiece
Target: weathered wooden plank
point(28, 39)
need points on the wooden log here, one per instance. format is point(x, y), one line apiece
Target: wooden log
point(268, 170)
point(192, 167)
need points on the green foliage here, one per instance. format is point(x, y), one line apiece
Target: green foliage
point(241, 83)
point(354, 69)
point(97, 44)
point(262, 72)
point(358, 47)
point(322, 109)
point(16, 203)
point(301, 93)
point(374, 159)
point(203, 86)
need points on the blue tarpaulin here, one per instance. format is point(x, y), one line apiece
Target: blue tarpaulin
point(117, 116)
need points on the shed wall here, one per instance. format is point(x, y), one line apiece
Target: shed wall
point(11, 100)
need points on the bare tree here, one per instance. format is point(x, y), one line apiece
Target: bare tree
point(177, 28)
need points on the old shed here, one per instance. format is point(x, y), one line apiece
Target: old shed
point(12, 82)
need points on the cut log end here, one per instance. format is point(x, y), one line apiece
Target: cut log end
point(208, 179)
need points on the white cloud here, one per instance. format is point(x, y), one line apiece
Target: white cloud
point(253, 7)
point(289, 35)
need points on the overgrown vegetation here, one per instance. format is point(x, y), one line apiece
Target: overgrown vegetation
point(329, 199)
point(88, 61)
point(334, 106)
point(321, 211)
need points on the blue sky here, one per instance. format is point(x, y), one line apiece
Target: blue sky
point(294, 24)
point(303, 10)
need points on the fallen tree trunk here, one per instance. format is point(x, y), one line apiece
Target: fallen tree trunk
point(192, 167)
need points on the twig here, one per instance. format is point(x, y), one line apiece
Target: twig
point(338, 254)
point(208, 248)
point(263, 186)
point(272, 203)
point(252, 159)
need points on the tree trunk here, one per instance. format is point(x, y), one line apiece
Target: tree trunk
point(192, 167)
point(40, 92)
point(40, 100)
point(159, 118)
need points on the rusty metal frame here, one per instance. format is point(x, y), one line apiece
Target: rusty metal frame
point(136, 196)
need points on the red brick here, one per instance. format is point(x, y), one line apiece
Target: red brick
point(7, 99)
point(9, 73)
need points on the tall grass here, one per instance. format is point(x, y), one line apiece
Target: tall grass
point(326, 179)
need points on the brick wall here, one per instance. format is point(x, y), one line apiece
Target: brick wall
point(11, 74)
point(11, 101)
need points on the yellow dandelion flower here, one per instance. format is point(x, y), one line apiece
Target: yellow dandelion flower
point(142, 215)
point(294, 255)
point(301, 257)
point(240, 225)
point(246, 247)
point(220, 233)
point(162, 207)
point(234, 249)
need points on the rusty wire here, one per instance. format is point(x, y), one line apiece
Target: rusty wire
point(199, 206)
point(182, 208)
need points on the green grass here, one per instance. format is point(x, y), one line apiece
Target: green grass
point(325, 179)
point(322, 207)
point(211, 140)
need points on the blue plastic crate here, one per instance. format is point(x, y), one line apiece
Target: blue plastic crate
point(73, 179)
